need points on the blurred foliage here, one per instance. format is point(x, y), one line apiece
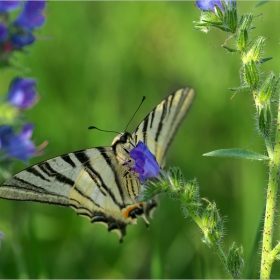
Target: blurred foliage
point(94, 61)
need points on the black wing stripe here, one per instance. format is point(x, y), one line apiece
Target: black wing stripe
point(152, 114)
point(33, 189)
point(144, 130)
point(116, 177)
point(46, 167)
point(161, 120)
point(95, 179)
point(170, 102)
point(45, 201)
point(87, 197)
point(68, 159)
point(189, 95)
point(36, 173)
point(85, 161)
point(22, 183)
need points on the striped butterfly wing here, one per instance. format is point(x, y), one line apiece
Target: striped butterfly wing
point(90, 181)
point(158, 128)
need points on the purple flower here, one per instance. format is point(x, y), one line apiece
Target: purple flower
point(3, 32)
point(31, 15)
point(7, 6)
point(145, 163)
point(17, 145)
point(208, 5)
point(23, 38)
point(22, 93)
point(205, 5)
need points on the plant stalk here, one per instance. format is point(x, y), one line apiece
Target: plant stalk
point(268, 257)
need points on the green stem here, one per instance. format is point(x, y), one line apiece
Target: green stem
point(275, 251)
point(267, 256)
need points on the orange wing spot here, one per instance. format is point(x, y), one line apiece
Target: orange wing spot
point(127, 210)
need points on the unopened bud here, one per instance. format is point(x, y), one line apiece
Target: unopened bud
point(251, 75)
point(268, 88)
point(264, 119)
point(255, 50)
point(246, 22)
point(235, 261)
point(242, 39)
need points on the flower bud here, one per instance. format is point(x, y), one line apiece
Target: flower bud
point(246, 22)
point(255, 50)
point(268, 88)
point(210, 217)
point(264, 119)
point(235, 261)
point(242, 39)
point(230, 16)
point(251, 75)
point(191, 191)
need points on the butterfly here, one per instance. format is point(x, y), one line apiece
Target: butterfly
point(101, 183)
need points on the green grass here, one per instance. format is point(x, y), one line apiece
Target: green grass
point(94, 61)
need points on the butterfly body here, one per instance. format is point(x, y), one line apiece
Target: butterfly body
point(100, 183)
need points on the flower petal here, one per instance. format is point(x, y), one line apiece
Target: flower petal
point(3, 32)
point(7, 6)
point(22, 93)
point(31, 16)
point(145, 163)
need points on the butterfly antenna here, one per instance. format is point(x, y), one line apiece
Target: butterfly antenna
point(143, 98)
point(94, 127)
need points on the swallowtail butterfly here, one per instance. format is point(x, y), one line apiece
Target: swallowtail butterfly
point(95, 182)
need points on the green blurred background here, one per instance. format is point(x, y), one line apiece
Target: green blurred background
point(93, 62)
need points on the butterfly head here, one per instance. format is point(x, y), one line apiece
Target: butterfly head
point(122, 144)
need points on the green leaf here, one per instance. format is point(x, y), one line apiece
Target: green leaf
point(263, 60)
point(237, 153)
point(260, 3)
point(239, 88)
point(229, 49)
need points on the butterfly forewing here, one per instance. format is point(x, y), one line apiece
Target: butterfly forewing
point(159, 127)
point(95, 182)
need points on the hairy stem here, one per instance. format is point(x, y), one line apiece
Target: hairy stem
point(267, 256)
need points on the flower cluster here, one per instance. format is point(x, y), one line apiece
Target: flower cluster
point(16, 34)
point(220, 13)
point(21, 95)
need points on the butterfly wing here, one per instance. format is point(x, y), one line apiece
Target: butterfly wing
point(90, 181)
point(158, 128)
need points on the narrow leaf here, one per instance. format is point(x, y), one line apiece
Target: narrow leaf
point(239, 88)
point(237, 153)
point(260, 3)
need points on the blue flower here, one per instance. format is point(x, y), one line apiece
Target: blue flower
point(145, 163)
point(208, 5)
point(7, 6)
point(205, 5)
point(17, 145)
point(22, 93)
point(3, 32)
point(23, 38)
point(31, 15)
